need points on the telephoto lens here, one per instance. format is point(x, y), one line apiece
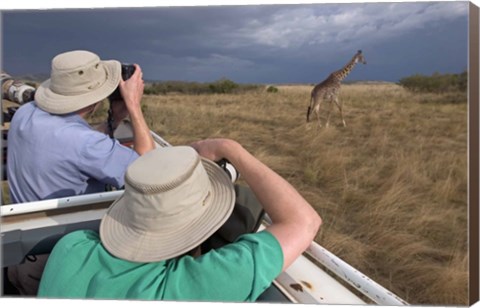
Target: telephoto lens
point(15, 90)
point(229, 169)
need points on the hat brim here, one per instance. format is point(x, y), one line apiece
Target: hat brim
point(130, 244)
point(52, 102)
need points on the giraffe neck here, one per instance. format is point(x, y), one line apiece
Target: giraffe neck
point(343, 73)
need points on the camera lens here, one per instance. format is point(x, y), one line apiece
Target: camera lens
point(127, 71)
point(229, 169)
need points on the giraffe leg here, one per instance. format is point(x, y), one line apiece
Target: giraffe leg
point(330, 107)
point(316, 109)
point(340, 108)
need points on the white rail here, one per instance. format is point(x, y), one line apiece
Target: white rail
point(159, 140)
point(51, 204)
point(355, 278)
point(351, 275)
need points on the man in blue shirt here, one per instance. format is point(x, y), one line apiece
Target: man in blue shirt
point(52, 150)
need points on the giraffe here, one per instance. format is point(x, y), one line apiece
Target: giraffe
point(328, 90)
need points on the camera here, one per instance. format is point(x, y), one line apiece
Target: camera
point(229, 169)
point(127, 72)
point(15, 90)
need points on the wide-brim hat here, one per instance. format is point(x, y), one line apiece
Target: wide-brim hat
point(173, 201)
point(78, 79)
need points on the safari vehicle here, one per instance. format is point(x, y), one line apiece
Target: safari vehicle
point(316, 277)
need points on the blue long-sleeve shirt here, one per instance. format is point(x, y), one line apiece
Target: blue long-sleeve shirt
point(53, 156)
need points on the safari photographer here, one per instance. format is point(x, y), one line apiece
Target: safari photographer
point(150, 243)
point(53, 152)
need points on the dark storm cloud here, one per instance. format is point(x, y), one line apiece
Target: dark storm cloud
point(256, 43)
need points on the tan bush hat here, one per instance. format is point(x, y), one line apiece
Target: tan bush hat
point(173, 201)
point(78, 79)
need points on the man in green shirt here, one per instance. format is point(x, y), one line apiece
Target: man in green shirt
point(149, 242)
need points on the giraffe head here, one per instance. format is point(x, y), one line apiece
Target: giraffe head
point(360, 58)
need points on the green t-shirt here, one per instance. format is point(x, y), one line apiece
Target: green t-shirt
point(80, 267)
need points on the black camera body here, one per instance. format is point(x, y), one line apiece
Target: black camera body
point(127, 71)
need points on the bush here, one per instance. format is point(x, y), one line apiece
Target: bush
point(176, 87)
point(272, 89)
point(437, 83)
point(222, 86)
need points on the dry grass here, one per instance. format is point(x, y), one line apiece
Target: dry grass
point(391, 187)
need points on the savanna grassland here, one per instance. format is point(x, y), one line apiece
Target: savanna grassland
point(391, 187)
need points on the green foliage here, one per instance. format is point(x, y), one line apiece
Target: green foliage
point(437, 83)
point(272, 89)
point(221, 86)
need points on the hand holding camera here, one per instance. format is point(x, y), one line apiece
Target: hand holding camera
point(214, 149)
point(131, 88)
point(126, 97)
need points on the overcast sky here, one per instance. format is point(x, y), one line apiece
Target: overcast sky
point(297, 43)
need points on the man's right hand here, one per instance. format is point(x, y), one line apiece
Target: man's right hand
point(132, 90)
